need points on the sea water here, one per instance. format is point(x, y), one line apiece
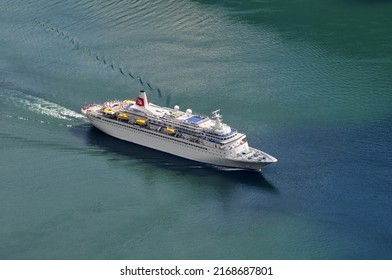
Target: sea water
point(309, 82)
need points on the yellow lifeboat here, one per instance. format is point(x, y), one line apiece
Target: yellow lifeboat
point(123, 116)
point(141, 121)
point(109, 112)
point(170, 130)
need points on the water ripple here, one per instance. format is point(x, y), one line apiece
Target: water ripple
point(79, 46)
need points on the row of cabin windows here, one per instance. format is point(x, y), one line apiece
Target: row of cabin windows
point(211, 138)
point(161, 136)
point(154, 134)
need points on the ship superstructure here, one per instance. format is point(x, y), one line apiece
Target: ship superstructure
point(184, 134)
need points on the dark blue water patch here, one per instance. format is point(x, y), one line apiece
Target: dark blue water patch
point(356, 153)
point(340, 176)
point(367, 2)
point(352, 27)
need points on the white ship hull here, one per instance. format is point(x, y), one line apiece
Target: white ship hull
point(174, 146)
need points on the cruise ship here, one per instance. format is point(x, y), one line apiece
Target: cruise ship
point(185, 134)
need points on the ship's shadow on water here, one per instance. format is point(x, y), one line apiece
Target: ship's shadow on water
point(110, 145)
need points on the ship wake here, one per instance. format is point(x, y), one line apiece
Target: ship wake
point(40, 106)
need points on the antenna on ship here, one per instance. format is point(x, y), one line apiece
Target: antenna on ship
point(218, 119)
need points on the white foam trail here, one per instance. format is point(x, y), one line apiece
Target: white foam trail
point(42, 106)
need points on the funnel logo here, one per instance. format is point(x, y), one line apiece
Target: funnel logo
point(140, 101)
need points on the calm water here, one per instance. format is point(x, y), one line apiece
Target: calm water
point(309, 82)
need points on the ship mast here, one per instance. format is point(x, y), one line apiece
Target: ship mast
point(217, 118)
